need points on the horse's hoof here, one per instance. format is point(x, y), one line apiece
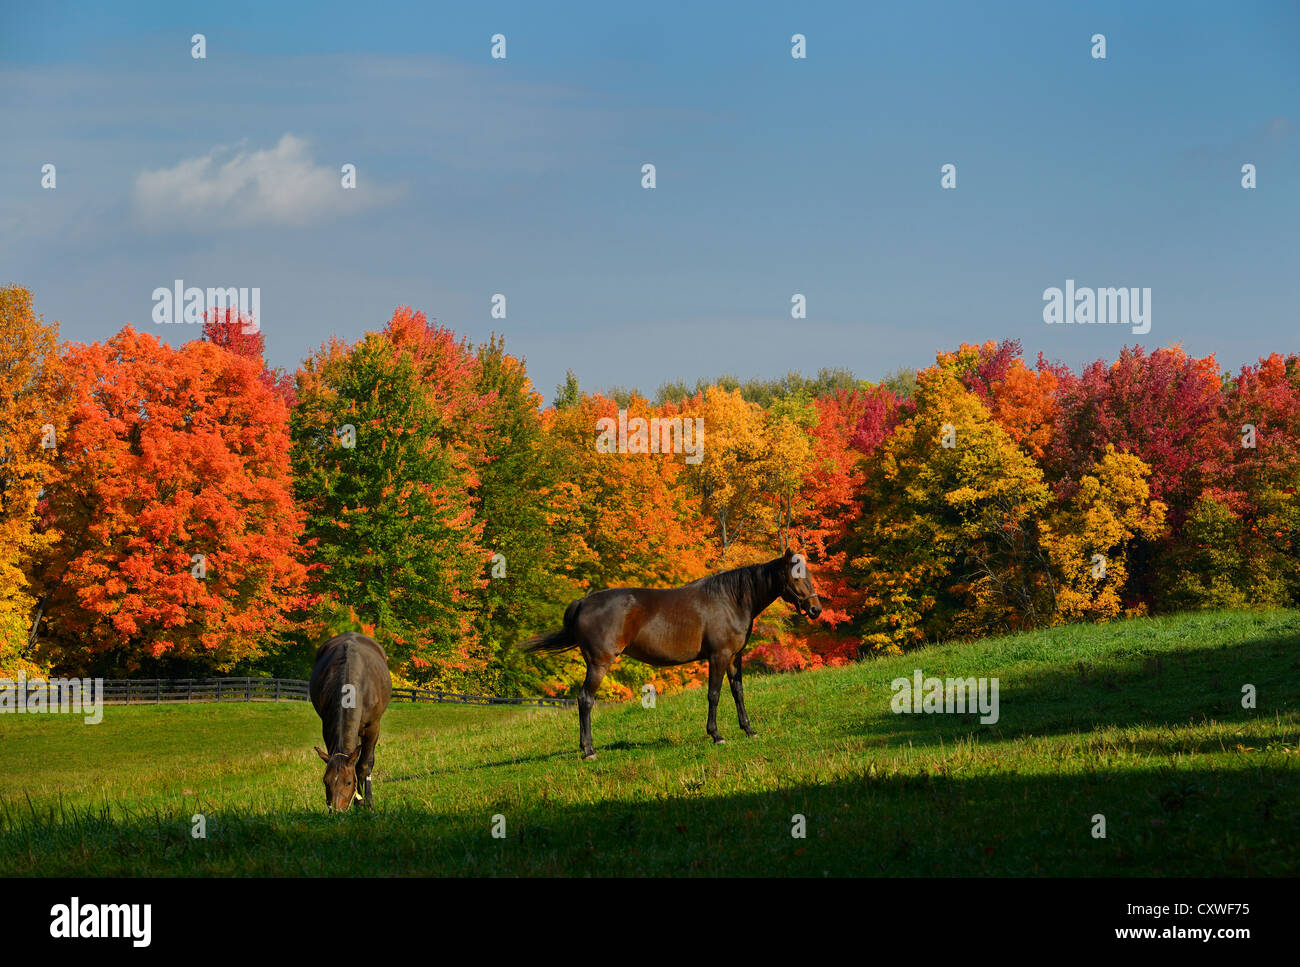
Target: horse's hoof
point(719, 741)
point(588, 756)
point(751, 733)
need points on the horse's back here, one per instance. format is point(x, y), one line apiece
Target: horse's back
point(351, 655)
point(659, 626)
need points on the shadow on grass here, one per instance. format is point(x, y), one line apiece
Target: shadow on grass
point(1220, 821)
point(1174, 687)
point(619, 746)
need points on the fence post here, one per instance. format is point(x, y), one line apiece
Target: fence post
point(248, 689)
point(189, 690)
point(128, 691)
point(277, 689)
point(158, 692)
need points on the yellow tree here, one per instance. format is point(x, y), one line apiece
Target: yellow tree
point(1089, 539)
point(945, 542)
point(735, 474)
point(33, 410)
point(788, 460)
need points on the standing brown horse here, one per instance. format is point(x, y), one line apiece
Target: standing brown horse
point(709, 619)
point(350, 688)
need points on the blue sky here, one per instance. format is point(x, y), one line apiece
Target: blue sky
point(775, 176)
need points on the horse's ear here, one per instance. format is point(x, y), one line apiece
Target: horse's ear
point(320, 753)
point(356, 754)
point(789, 552)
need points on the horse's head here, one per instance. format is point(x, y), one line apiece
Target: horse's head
point(340, 778)
point(797, 586)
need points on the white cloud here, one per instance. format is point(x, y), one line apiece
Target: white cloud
point(235, 187)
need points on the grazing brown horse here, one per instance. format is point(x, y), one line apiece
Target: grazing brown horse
point(709, 619)
point(350, 687)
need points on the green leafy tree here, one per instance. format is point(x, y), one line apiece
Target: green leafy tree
point(383, 473)
point(517, 499)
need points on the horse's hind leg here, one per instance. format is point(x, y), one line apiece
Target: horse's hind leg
point(734, 676)
point(717, 667)
point(586, 701)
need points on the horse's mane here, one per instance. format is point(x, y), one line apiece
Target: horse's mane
point(740, 583)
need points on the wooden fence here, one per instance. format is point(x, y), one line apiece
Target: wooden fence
point(155, 691)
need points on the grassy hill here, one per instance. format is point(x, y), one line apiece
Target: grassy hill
point(1140, 721)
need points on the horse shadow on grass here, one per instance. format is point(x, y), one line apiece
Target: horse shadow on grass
point(622, 745)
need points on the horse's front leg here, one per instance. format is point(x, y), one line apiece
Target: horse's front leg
point(717, 668)
point(366, 765)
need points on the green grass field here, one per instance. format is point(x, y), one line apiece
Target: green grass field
point(1140, 721)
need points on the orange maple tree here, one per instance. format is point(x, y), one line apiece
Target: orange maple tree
point(173, 500)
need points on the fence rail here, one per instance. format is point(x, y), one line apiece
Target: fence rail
point(156, 691)
point(429, 695)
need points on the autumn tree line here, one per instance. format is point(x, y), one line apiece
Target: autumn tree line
point(189, 511)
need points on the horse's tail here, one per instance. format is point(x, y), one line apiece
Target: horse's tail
point(555, 641)
point(561, 640)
